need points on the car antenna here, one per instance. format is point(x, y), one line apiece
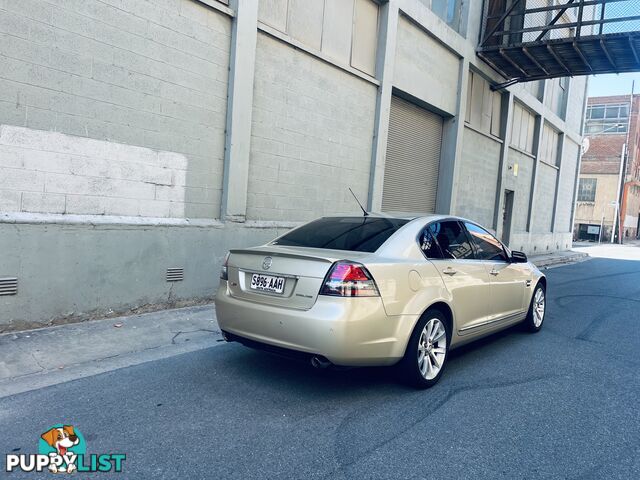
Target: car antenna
point(366, 214)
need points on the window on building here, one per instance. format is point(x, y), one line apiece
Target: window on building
point(523, 126)
point(587, 189)
point(305, 21)
point(483, 106)
point(345, 30)
point(449, 11)
point(365, 35)
point(534, 88)
point(556, 98)
point(595, 112)
point(607, 119)
point(549, 144)
point(605, 128)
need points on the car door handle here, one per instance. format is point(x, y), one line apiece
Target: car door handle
point(494, 272)
point(449, 271)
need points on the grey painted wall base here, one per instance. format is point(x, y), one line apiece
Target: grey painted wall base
point(541, 243)
point(70, 273)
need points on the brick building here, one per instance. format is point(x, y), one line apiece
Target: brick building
point(610, 125)
point(141, 139)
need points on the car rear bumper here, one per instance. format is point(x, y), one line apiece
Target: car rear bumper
point(347, 331)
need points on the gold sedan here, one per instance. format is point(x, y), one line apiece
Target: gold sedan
point(375, 290)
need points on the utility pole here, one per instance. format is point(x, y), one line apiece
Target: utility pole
point(616, 210)
point(619, 218)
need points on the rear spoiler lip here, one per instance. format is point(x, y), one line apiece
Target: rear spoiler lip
point(283, 254)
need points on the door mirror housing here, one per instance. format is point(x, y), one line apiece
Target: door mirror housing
point(518, 257)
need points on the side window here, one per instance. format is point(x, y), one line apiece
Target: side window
point(488, 247)
point(428, 244)
point(452, 239)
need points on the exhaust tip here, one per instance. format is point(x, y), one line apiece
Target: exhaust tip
point(320, 362)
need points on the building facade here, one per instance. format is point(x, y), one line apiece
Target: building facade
point(610, 171)
point(141, 139)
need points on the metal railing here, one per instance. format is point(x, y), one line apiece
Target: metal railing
point(512, 22)
point(536, 39)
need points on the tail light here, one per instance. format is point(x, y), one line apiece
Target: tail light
point(224, 273)
point(349, 279)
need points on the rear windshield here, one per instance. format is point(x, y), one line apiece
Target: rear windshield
point(357, 234)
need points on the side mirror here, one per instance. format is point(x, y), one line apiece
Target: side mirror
point(518, 257)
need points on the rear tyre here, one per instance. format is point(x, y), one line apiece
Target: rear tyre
point(537, 308)
point(427, 350)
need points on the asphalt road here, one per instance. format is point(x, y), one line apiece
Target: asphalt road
point(559, 404)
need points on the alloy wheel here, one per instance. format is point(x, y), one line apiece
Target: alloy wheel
point(432, 348)
point(538, 307)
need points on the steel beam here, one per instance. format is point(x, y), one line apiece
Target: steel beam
point(634, 51)
point(515, 65)
point(558, 59)
point(607, 54)
point(581, 55)
point(533, 59)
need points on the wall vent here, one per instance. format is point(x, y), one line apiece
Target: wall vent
point(8, 286)
point(175, 274)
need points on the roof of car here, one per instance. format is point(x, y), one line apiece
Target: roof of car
point(427, 218)
point(398, 216)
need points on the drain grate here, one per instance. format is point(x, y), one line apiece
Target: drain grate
point(175, 274)
point(8, 286)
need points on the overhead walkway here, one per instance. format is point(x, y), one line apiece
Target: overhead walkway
point(528, 40)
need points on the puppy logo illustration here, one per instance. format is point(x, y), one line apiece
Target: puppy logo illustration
point(62, 444)
point(62, 449)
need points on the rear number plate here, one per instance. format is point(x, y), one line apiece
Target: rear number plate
point(267, 283)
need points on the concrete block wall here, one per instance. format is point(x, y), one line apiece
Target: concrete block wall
point(311, 136)
point(425, 68)
point(545, 195)
point(521, 187)
point(575, 104)
point(566, 184)
point(540, 243)
point(148, 73)
point(479, 172)
point(49, 172)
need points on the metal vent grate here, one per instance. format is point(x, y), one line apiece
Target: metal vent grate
point(175, 274)
point(8, 286)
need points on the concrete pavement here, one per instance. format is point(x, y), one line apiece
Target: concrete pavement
point(38, 358)
point(558, 258)
point(630, 250)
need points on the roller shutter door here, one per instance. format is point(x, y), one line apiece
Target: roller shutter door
point(413, 159)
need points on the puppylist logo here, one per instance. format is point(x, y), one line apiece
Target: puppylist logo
point(62, 449)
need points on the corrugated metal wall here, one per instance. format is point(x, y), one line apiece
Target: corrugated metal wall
point(413, 159)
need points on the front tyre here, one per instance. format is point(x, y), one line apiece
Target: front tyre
point(537, 309)
point(426, 354)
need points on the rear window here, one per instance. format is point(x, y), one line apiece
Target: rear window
point(356, 234)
